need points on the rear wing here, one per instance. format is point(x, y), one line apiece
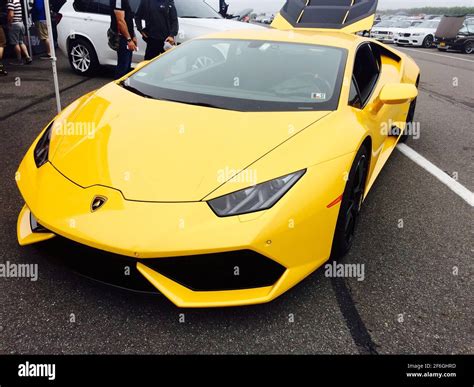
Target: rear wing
point(344, 15)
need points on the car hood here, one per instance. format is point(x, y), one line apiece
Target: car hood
point(420, 30)
point(162, 151)
point(449, 27)
point(383, 29)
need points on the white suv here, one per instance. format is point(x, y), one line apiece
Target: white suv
point(82, 31)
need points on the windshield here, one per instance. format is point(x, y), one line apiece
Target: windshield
point(402, 24)
point(195, 9)
point(385, 23)
point(428, 24)
point(245, 75)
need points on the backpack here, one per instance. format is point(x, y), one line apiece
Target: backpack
point(113, 39)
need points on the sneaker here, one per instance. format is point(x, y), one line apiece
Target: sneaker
point(45, 57)
point(28, 61)
point(2, 70)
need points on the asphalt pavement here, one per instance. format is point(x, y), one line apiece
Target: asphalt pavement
point(417, 292)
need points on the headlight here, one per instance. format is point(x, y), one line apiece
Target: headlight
point(390, 33)
point(41, 152)
point(257, 198)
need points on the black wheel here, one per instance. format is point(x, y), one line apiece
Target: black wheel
point(82, 57)
point(351, 204)
point(428, 41)
point(468, 47)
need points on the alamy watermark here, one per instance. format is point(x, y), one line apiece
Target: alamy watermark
point(390, 129)
point(19, 270)
point(348, 270)
point(81, 129)
point(230, 175)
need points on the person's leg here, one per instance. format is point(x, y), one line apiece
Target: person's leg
point(24, 49)
point(154, 48)
point(43, 35)
point(124, 59)
point(17, 52)
point(13, 39)
point(47, 47)
point(3, 43)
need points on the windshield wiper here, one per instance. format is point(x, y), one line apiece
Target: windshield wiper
point(134, 90)
point(194, 103)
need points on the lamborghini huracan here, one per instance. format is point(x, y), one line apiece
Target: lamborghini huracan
point(226, 181)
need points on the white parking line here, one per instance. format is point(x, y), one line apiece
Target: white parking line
point(432, 53)
point(452, 184)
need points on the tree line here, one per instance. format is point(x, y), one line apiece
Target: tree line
point(432, 11)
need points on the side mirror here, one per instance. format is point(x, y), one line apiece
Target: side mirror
point(398, 93)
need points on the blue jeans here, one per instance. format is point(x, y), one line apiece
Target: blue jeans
point(124, 59)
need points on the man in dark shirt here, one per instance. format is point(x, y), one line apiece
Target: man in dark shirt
point(162, 25)
point(122, 23)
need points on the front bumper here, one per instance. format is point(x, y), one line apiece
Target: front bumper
point(383, 38)
point(411, 41)
point(297, 239)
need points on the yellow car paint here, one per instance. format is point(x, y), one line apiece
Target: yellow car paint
point(135, 157)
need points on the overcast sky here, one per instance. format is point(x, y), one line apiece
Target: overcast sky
point(275, 5)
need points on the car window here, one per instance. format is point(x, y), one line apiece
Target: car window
point(469, 24)
point(234, 74)
point(366, 70)
point(195, 10)
point(103, 7)
point(354, 97)
point(428, 24)
point(81, 5)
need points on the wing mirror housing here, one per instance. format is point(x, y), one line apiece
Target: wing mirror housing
point(398, 93)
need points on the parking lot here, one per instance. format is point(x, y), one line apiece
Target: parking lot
point(415, 239)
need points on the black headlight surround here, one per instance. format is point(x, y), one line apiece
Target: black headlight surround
point(41, 152)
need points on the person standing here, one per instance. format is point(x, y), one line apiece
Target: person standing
point(16, 32)
point(122, 24)
point(3, 39)
point(39, 17)
point(161, 25)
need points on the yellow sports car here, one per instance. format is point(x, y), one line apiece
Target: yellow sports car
point(233, 166)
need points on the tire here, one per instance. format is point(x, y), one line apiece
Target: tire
point(82, 57)
point(351, 204)
point(468, 47)
point(428, 41)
